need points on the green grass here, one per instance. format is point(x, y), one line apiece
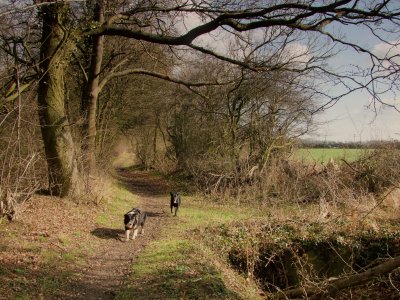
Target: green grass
point(323, 155)
point(177, 266)
point(203, 214)
point(175, 269)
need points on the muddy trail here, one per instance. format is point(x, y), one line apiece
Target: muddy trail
point(108, 269)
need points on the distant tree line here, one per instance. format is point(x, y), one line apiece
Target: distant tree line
point(372, 144)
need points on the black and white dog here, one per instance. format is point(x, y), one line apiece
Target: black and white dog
point(175, 201)
point(132, 220)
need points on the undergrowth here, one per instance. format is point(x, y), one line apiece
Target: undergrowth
point(283, 254)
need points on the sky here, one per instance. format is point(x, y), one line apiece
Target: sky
point(352, 118)
point(355, 118)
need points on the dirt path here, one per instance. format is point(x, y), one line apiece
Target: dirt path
point(110, 265)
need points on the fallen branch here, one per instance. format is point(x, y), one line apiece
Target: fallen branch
point(332, 286)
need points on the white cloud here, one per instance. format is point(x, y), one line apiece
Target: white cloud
point(351, 120)
point(388, 50)
point(390, 101)
point(298, 53)
point(216, 40)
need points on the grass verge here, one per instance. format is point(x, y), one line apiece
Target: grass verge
point(179, 266)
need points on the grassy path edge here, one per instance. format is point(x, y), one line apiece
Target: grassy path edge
point(179, 266)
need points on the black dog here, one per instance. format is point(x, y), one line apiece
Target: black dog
point(175, 201)
point(132, 220)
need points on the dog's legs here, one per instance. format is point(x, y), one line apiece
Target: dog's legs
point(176, 209)
point(171, 208)
point(141, 230)
point(127, 232)
point(134, 233)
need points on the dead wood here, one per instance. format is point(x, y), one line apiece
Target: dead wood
point(333, 286)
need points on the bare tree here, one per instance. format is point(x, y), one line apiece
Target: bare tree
point(227, 130)
point(275, 25)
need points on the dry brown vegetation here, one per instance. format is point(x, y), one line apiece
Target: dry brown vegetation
point(76, 76)
point(44, 247)
point(371, 178)
point(305, 240)
point(328, 225)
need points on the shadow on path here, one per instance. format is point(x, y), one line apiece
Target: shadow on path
point(143, 184)
point(156, 214)
point(107, 233)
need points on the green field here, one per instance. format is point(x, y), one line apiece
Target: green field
point(323, 155)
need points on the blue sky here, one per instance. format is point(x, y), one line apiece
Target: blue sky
point(353, 118)
point(350, 119)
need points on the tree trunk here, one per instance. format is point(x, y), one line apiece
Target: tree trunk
point(93, 90)
point(55, 128)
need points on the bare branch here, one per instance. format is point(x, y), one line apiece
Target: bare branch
point(139, 71)
point(333, 286)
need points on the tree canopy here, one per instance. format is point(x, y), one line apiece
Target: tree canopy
point(264, 63)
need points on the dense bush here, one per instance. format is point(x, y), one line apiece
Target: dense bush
point(282, 180)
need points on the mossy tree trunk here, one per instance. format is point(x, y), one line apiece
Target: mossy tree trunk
point(56, 131)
